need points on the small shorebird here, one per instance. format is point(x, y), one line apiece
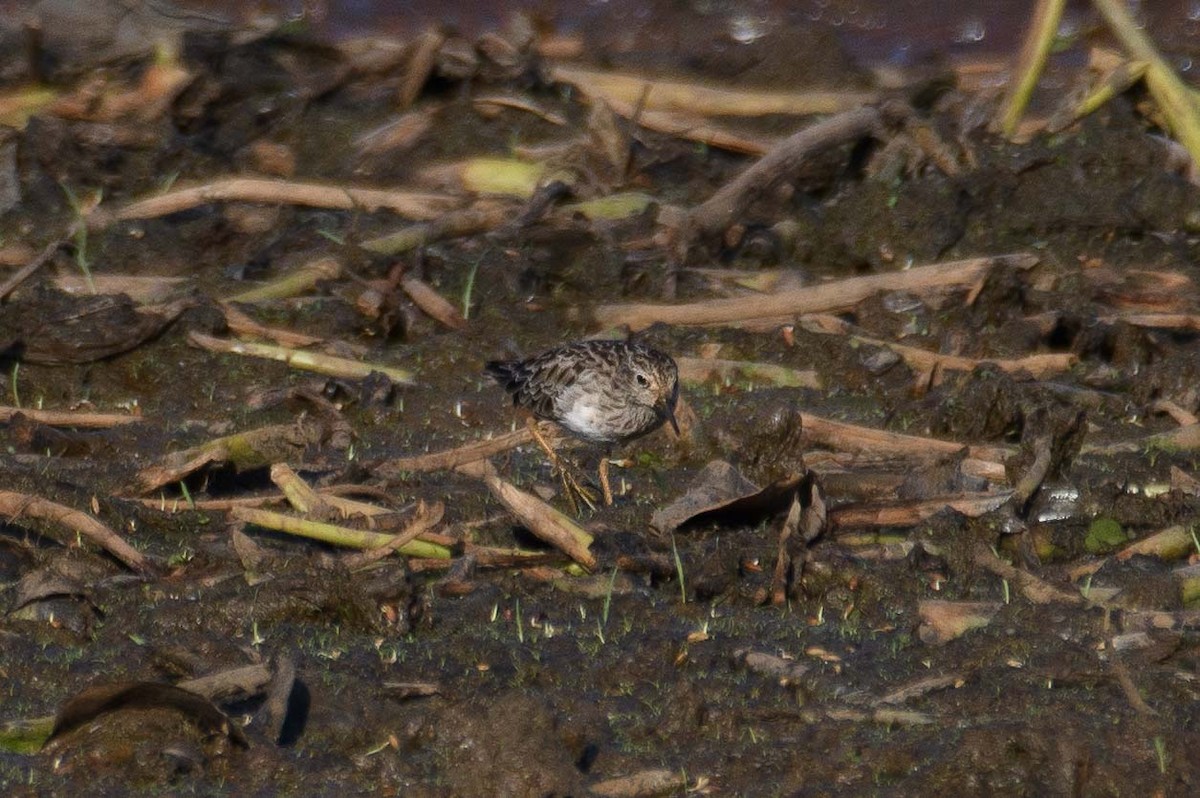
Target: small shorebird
point(604, 392)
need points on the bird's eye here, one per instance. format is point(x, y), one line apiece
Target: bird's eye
point(642, 380)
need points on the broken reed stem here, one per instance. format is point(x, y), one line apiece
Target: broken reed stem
point(462, 455)
point(1162, 321)
point(1034, 588)
point(293, 283)
point(1183, 439)
point(243, 326)
point(299, 494)
point(410, 204)
point(297, 359)
point(1172, 543)
point(781, 163)
point(656, 94)
point(692, 127)
point(1038, 366)
point(1032, 60)
point(26, 271)
point(432, 303)
point(484, 216)
point(16, 506)
point(827, 298)
point(909, 513)
point(1029, 482)
point(1172, 94)
point(1114, 83)
point(536, 515)
point(337, 535)
point(1129, 687)
point(426, 518)
point(784, 564)
point(249, 449)
point(842, 436)
point(66, 418)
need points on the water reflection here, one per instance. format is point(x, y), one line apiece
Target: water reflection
point(872, 31)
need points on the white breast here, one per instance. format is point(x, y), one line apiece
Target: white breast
point(583, 419)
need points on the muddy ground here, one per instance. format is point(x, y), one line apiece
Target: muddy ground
point(1010, 643)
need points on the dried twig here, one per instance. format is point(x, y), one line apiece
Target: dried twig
point(414, 205)
point(1125, 680)
point(15, 506)
point(487, 103)
point(400, 133)
point(1162, 321)
point(240, 324)
point(540, 518)
point(908, 513)
point(781, 163)
point(299, 359)
point(337, 535)
point(432, 303)
point(426, 518)
point(250, 449)
point(66, 418)
point(26, 271)
point(142, 289)
point(1034, 588)
point(827, 298)
point(668, 95)
point(1038, 366)
point(422, 58)
point(854, 438)
point(294, 283)
point(920, 687)
point(469, 453)
point(481, 217)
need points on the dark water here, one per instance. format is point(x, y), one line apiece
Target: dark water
point(872, 31)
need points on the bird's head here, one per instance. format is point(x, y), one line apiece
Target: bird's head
point(656, 385)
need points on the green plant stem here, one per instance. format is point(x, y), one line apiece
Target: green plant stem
point(1031, 62)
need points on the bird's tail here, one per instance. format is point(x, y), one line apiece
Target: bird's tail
point(509, 373)
point(500, 370)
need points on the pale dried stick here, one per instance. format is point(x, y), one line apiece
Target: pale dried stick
point(720, 210)
point(15, 506)
point(840, 435)
point(469, 453)
point(66, 418)
point(827, 298)
point(413, 205)
point(540, 518)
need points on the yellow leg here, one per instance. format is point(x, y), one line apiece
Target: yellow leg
point(571, 486)
point(531, 422)
point(608, 497)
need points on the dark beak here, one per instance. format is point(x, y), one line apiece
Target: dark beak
point(667, 412)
